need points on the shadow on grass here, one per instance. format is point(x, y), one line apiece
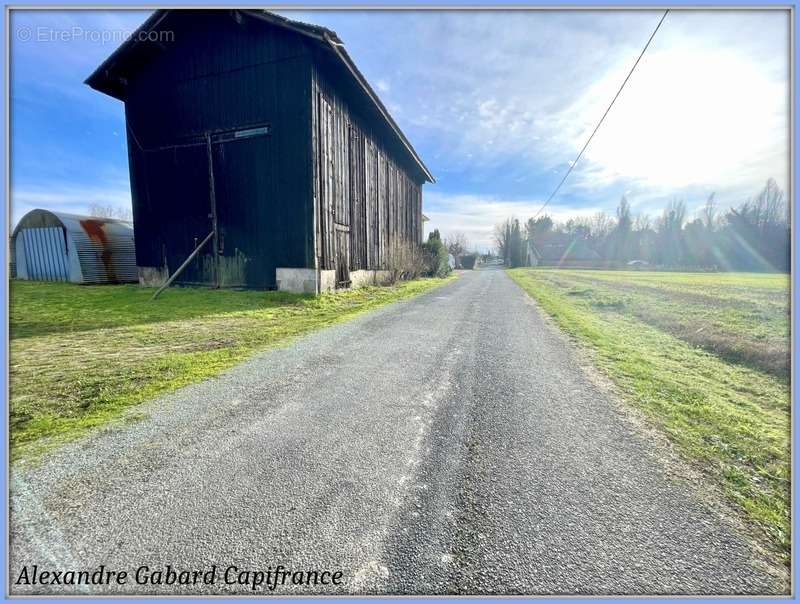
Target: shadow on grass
point(38, 308)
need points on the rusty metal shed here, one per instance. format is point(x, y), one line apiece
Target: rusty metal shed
point(54, 246)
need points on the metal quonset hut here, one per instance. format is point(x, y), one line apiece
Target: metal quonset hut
point(259, 134)
point(53, 246)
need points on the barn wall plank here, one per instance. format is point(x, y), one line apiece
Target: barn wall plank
point(372, 192)
point(219, 76)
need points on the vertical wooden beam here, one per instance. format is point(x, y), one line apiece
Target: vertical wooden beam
point(213, 201)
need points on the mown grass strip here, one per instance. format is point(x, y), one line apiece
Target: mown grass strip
point(745, 331)
point(730, 420)
point(81, 356)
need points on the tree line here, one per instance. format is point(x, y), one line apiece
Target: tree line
point(753, 236)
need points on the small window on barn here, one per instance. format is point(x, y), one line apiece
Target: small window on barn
point(263, 130)
point(240, 134)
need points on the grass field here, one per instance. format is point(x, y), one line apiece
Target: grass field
point(705, 357)
point(82, 355)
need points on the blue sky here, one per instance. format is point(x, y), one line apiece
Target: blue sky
point(496, 103)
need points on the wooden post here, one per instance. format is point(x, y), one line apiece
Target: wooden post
point(213, 201)
point(182, 266)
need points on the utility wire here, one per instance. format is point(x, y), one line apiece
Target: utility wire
point(596, 128)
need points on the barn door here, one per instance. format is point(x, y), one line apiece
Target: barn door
point(245, 197)
point(44, 254)
point(326, 182)
point(215, 185)
point(358, 201)
point(178, 193)
point(342, 257)
point(334, 194)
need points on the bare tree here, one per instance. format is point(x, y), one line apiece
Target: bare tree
point(642, 222)
point(708, 214)
point(457, 244)
point(109, 211)
point(771, 205)
point(601, 225)
point(759, 231)
point(404, 260)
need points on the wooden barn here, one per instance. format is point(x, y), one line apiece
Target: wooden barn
point(259, 136)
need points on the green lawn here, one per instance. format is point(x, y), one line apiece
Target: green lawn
point(83, 355)
point(705, 357)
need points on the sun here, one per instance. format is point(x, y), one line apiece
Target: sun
point(689, 116)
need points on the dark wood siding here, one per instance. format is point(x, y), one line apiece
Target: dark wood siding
point(219, 77)
point(263, 136)
point(361, 185)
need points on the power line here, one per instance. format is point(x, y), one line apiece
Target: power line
point(596, 128)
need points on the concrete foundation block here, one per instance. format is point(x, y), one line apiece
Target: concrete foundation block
point(327, 281)
point(304, 280)
point(296, 280)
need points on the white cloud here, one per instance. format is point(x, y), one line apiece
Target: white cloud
point(476, 215)
point(516, 91)
point(508, 97)
point(696, 112)
point(73, 199)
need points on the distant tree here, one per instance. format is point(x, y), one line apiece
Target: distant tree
point(698, 243)
point(600, 228)
point(538, 227)
point(576, 227)
point(510, 243)
point(620, 240)
point(642, 222)
point(646, 244)
point(670, 250)
point(709, 215)
point(434, 256)
point(518, 245)
point(757, 233)
point(502, 236)
point(457, 245)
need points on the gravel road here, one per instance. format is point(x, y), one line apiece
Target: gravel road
point(451, 443)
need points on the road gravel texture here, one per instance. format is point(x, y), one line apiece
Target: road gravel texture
point(450, 443)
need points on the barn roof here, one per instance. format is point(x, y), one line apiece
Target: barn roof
point(109, 77)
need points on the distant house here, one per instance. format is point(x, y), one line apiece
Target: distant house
point(561, 249)
point(259, 135)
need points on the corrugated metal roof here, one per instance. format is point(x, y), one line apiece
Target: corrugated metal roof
point(104, 247)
